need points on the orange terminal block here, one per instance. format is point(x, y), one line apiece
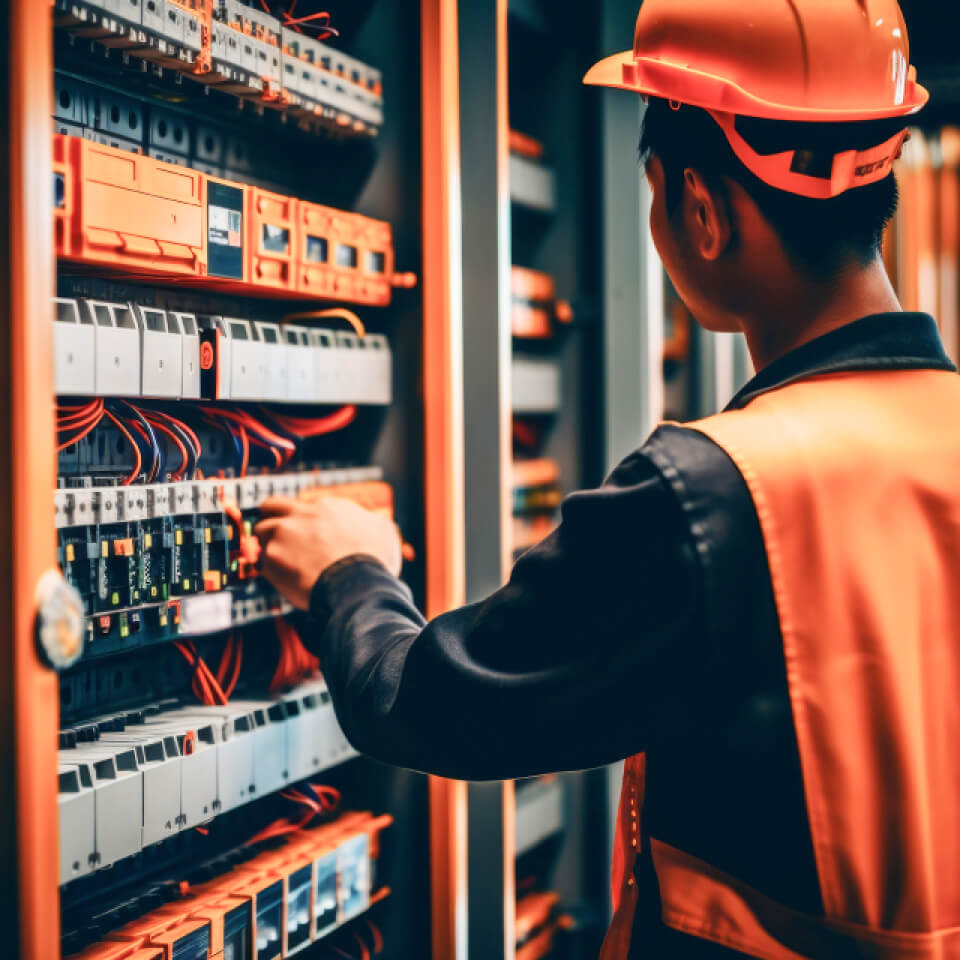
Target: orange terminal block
point(118, 951)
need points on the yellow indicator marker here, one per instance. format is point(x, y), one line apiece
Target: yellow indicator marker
point(178, 538)
point(115, 598)
point(70, 553)
point(147, 541)
point(104, 548)
point(208, 535)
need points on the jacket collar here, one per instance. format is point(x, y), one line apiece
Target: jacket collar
point(885, 341)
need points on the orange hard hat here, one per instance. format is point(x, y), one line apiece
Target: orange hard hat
point(796, 60)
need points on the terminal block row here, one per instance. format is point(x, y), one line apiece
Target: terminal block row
point(109, 349)
point(153, 562)
point(255, 903)
point(240, 49)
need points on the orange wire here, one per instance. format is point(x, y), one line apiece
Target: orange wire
point(138, 462)
point(245, 446)
point(377, 936)
point(88, 429)
point(339, 312)
point(316, 426)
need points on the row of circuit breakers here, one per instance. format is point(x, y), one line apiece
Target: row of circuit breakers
point(125, 349)
point(134, 213)
point(257, 905)
point(240, 49)
point(131, 780)
point(153, 562)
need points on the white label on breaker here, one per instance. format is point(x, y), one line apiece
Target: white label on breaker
point(206, 613)
point(224, 226)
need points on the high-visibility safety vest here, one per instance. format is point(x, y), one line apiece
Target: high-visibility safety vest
point(855, 478)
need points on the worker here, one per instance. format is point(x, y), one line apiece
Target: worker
point(759, 611)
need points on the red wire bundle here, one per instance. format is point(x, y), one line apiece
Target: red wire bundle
point(288, 20)
point(208, 688)
point(296, 662)
point(324, 802)
point(305, 427)
point(77, 421)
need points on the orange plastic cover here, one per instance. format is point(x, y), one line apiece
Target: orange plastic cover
point(525, 146)
point(530, 323)
point(271, 238)
point(535, 473)
point(132, 211)
point(63, 196)
point(344, 256)
point(533, 285)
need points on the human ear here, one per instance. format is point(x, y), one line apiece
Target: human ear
point(707, 216)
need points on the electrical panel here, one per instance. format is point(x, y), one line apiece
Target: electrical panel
point(226, 319)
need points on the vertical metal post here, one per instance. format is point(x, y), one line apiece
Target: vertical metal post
point(487, 414)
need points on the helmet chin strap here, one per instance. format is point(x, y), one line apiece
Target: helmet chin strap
point(851, 169)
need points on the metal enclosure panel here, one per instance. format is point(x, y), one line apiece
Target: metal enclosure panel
point(161, 353)
point(486, 254)
point(532, 185)
point(536, 385)
point(74, 349)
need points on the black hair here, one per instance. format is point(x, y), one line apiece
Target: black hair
point(820, 236)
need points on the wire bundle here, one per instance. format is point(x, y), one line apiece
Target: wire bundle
point(317, 21)
point(303, 428)
point(295, 662)
point(139, 427)
point(75, 422)
point(245, 429)
point(317, 800)
point(214, 690)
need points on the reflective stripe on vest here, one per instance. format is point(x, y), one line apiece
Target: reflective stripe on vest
point(856, 481)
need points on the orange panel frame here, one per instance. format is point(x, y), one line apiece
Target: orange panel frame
point(443, 426)
point(29, 695)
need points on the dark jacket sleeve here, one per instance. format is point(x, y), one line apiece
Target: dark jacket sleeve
point(555, 671)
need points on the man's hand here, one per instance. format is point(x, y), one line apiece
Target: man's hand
point(301, 539)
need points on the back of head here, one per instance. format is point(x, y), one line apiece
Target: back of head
point(819, 235)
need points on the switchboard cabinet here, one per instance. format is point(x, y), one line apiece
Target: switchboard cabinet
point(240, 286)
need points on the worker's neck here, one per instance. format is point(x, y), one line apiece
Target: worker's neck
point(802, 310)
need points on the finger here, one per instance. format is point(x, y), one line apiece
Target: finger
point(266, 530)
point(277, 507)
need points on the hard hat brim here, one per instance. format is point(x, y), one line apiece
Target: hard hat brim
point(695, 88)
point(608, 72)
